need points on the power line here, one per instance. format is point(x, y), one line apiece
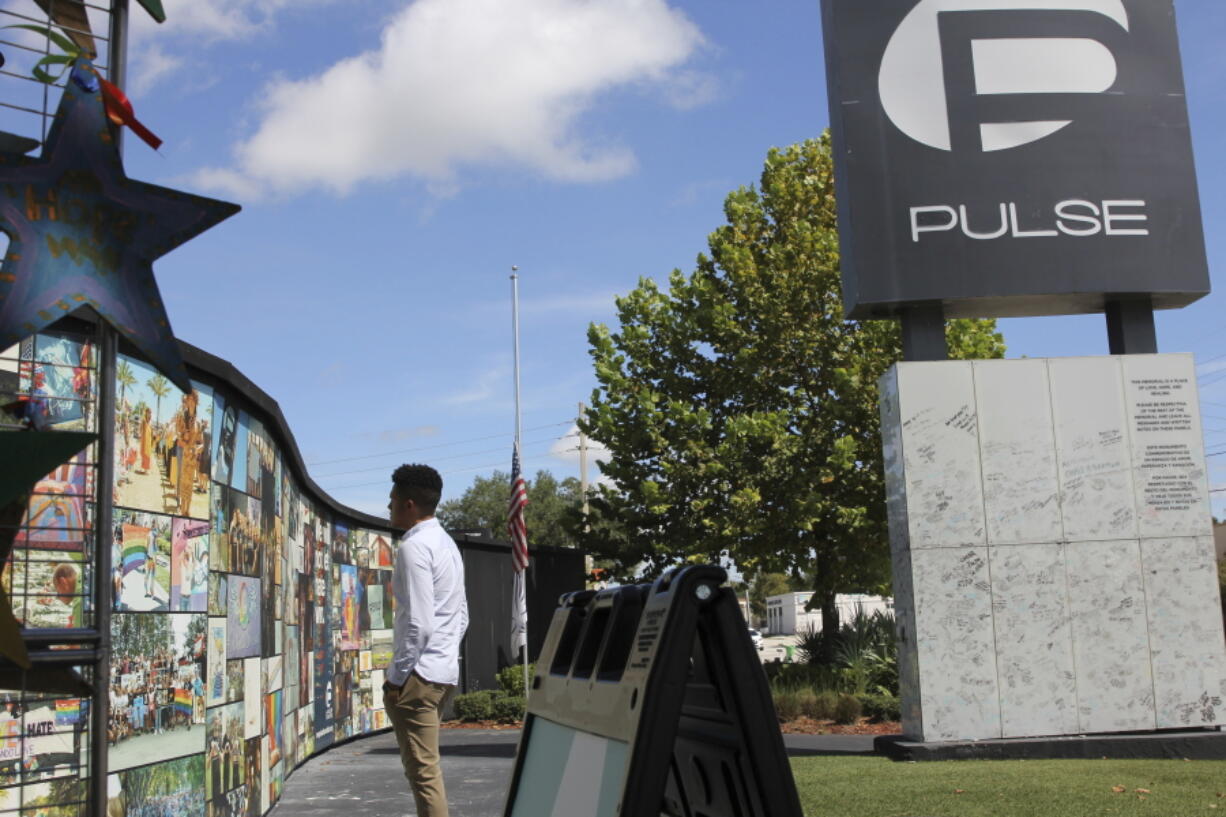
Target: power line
point(435, 459)
point(442, 473)
point(440, 445)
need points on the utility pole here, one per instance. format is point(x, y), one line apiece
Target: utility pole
point(583, 466)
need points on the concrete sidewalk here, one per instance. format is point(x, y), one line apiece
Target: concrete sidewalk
point(364, 778)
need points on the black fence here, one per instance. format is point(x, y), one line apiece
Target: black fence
point(489, 580)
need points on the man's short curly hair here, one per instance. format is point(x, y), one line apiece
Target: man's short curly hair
point(420, 483)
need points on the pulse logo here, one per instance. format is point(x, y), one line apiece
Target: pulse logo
point(991, 75)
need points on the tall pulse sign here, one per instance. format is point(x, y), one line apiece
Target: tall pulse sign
point(1011, 157)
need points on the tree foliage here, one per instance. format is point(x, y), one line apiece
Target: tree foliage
point(139, 635)
point(484, 506)
point(740, 407)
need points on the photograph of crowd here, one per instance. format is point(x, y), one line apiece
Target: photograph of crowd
point(163, 442)
point(261, 466)
point(157, 687)
point(40, 738)
point(244, 535)
point(225, 767)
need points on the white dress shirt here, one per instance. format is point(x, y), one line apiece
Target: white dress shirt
point(431, 607)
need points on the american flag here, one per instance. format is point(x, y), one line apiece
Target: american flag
point(515, 515)
point(519, 555)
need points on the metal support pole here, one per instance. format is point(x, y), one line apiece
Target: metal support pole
point(1130, 326)
point(923, 332)
point(108, 352)
point(519, 433)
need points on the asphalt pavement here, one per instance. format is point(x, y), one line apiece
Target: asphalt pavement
point(363, 778)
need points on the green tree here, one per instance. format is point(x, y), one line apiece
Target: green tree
point(768, 584)
point(160, 387)
point(139, 635)
point(548, 515)
point(740, 408)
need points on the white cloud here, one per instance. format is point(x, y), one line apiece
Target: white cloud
point(211, 20)
point(482, 388)
point(152, 65)
point(160, 50)
point(457, 82)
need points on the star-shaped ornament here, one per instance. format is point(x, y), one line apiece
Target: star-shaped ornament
point(82, 233)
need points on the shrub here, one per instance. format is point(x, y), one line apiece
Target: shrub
point(847, 709)
point(510, 708)
point(823, 705)
point(511, 678)
point(881, 707)
point(475, 706)
point(796, 676)
point(787, 704)
point(806, 701)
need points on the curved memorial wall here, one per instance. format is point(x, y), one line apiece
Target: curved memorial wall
point(252, 613)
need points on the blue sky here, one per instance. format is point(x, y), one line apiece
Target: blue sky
point(394, 159)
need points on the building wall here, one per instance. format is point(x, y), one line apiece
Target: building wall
point(786, 614)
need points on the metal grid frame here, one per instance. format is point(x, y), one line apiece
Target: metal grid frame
point(27, 108)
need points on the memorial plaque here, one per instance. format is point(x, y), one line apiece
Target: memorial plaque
point(1172, 490)
point(1092, 449)
point(1020, 488)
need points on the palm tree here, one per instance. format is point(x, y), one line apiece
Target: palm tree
point(125, 378)
point(123, 374)
point(160, 386)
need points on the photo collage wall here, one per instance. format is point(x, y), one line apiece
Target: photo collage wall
point(251, 625)
point(49, 382)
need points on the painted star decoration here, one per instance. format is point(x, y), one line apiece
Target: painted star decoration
point(82, 233)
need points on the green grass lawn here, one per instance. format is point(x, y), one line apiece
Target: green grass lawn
point(876, 787)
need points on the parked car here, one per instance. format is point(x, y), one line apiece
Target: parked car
point(756, 638)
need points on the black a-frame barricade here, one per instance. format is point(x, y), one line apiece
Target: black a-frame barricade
point(650, 700)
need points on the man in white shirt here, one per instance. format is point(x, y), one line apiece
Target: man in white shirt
point(431, 617)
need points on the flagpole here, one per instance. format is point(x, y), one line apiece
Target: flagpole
point(519, 432)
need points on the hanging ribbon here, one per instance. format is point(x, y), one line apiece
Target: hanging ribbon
point(119, 111)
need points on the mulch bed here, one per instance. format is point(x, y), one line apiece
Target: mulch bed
point(497, 725)
point(800, 726)
point(809, 726)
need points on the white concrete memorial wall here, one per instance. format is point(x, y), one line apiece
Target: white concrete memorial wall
point(1052, 546)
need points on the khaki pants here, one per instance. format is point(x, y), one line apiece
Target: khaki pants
point(415, 713)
